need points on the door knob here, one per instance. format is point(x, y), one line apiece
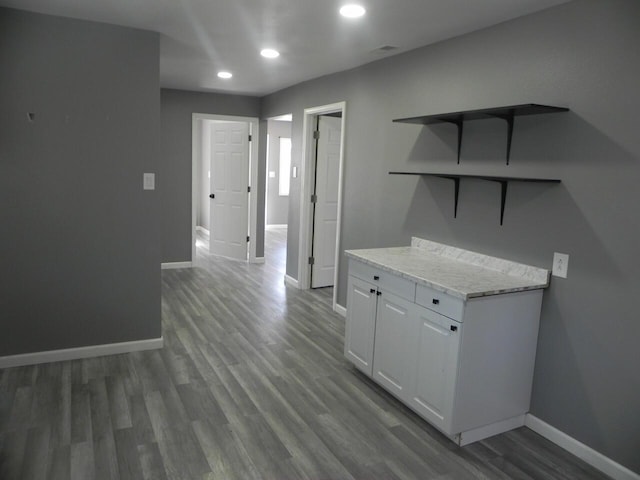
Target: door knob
point(212, 195)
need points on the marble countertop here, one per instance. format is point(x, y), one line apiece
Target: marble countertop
point(457, 272)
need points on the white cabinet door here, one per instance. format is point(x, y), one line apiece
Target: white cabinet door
point(361, 324)
point(436, 341)
point(392, 359)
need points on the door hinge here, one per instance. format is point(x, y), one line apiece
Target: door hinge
point(316, 134)
point(250, 137)
point(312, 260)
point(314, 198)
point(247, 238)
point(249, 189)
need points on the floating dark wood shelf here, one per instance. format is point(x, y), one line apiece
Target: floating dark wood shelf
point(503, 181)
point(507, 113)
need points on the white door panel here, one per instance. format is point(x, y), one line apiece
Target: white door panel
point(229, 182)
point(326, 207)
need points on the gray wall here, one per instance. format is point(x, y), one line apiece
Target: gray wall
point(79, 238)
point(277, 206)
point(584, 55)
point(175, 158)
point(204, 183)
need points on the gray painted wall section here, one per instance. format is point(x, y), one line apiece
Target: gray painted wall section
point(277, 206)
point(176, 117)
point(584, 55)
point(80, 238)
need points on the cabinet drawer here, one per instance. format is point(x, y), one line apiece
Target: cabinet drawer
point(442, 303)
point(385, 281)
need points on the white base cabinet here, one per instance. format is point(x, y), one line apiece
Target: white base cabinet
point(464, 366)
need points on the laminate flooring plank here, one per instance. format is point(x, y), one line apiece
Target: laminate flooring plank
point(140, 421)
point(263, 447)
point(12, 453)
point(82, 463)
point(181, 454)
point(151, 462)
point(225, 454)
point(129, 466)
point(35, 464)
point(60, 463)
point(81, 428)
point(118, 404)
point(105, 456)
point(200, 404)
point(7, 396)
point(354, 452)
point(21, 408)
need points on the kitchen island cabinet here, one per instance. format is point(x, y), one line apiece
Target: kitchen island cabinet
point(451, 333)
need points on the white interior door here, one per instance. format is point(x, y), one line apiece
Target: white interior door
point(325, 219)
point(229, 189)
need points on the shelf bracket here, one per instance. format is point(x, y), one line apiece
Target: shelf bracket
point(508, 117)
point(460, 125)
point(456, 192)
point(503, 195)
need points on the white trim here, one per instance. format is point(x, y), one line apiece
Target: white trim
point(196, 135)
point(171, 265)
point(340, 310)
point(257, 260)
point(276, 225)
point(80, 352)
point(290, 281)
point(306, 179)
point(200, 228)
point(580, 450)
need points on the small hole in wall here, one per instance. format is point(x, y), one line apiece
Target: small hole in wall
point(31, 116)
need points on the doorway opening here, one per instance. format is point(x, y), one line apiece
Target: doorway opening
point(224, 167)
point(277, 182)
point(321, 197)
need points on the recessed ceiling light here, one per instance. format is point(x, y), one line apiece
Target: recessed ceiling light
point(352, 10)
point(225, 75)
point(269, 53)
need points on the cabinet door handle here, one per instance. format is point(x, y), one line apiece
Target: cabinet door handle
point(376, 277)
point(454, 328)
point(372, 290)
point(435, 301)
point(379, 293)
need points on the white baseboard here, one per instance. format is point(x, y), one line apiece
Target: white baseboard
point(580, 450)
point(275, 225)
point(340, 310)
point(256, 260)
point(202, 229)
point(290, 281)
point(170, 265)
point(79, 352)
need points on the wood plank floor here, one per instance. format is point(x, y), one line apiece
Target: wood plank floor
point(251, 384)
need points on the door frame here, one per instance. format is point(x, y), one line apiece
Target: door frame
point(196, 142)
point(307, 180)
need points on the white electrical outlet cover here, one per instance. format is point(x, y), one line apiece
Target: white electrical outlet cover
point(149, 181)
point(560, 265)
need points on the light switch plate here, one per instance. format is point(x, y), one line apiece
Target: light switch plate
point(149, 181)
point(295, 172)
point(560, 265)
point(272, 174)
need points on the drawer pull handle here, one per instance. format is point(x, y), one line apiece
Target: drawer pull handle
point(376, 277)
point(372, 290)
point(435, 301)
point(454, 328)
